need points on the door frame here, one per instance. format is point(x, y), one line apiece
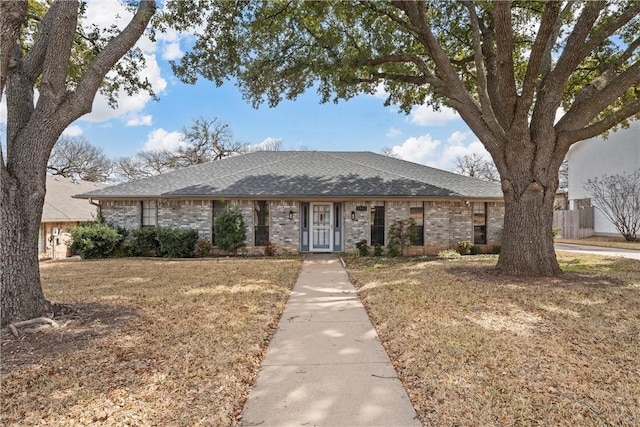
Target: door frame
point(311, 227)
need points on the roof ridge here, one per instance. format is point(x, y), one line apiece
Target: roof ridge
point(390, 172)
point(244, 171)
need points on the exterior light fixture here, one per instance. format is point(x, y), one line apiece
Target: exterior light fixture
point(290, 215)
point(353, 215)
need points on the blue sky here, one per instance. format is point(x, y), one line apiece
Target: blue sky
point(360, 124)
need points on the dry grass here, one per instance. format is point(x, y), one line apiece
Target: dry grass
point(155, 342)
point(475, 349)
point(604, 241)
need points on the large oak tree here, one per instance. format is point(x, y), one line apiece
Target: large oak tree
point(508, 68)
point(46, 49)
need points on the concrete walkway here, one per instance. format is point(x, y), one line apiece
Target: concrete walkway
point(325, 365)
point(598, 250)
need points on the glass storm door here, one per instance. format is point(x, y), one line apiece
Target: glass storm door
point(321, 222)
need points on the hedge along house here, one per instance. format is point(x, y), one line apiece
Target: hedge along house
point(312, 201)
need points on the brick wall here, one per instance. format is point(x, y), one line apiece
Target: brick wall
point(358, 229)
point(187, 214)
point(285, 232)
point(122, 213)
point(495, 221)
point(446, 222)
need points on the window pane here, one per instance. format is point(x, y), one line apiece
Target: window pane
point(377, 223)
point(219, 206)
point(480, 223)
point(261, 231)
point(149, 213)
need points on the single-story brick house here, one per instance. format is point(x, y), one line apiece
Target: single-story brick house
point(313, 201)
point(61, 211)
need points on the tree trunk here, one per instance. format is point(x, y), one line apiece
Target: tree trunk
point(527, 240)
point(21, 295)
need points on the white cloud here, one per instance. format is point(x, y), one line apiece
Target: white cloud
point(169, 42)
point(457, 147)
point(457, 137)
point(128, 104)
point(73, 130)
point(160, 139)
point(172, 51)
point(417, 150)
point(104, 14)
point(424, 115)
point(393, 132)
point(138, 120)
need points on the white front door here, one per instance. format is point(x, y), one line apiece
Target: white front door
point(321, 227)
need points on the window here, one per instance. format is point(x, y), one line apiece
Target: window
point(149, 213)
point(218, 206)
point(261, 221)
point(480, 223)
point(377, 223)
point(305, 216)
point(416, 213)
point(336, 216)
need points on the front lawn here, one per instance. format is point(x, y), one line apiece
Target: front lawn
point(154, 342)
point(475, 349)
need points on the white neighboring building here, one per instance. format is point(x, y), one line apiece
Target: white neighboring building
point(595, 157)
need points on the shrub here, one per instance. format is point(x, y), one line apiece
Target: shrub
point(176, 243)
point(270, 249)
point(495, 249)
point(96, 240)
point(474, 250)
point(230, 231)
point(144, 242)
point(363, 247)
point(401, 234)
point(449, 254)
point(464, 247)
point(377, 249)
point(202, 248)
point(555, 231)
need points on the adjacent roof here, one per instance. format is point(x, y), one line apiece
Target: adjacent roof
point(304, 174)
point(59, 204)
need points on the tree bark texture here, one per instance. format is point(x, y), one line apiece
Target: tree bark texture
point(22, 199)
point(527, 240)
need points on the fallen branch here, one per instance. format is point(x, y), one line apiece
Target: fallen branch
point(14, 331)
point(48, 323)
point(34, 321)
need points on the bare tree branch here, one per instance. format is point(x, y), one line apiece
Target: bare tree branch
point(77, 158)
point(618, 198)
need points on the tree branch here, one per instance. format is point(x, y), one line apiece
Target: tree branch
point(573, 53)
point(598, 128)
point(487, 128)
point(607, 30)
point(481, 72)
point(81, 100)
point(34, 60)
point(506, 84)
point(12, 15)
point(545, 39)
point(601, 93)
point(58, 52)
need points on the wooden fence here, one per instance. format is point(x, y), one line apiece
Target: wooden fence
point(574, 224)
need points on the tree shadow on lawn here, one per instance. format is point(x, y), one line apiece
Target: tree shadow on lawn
point(89, 322)
point(577, 272)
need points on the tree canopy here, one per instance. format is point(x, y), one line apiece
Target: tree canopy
point(529, 78)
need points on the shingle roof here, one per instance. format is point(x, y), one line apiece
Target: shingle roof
point(304, 174)
point(59, 204)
